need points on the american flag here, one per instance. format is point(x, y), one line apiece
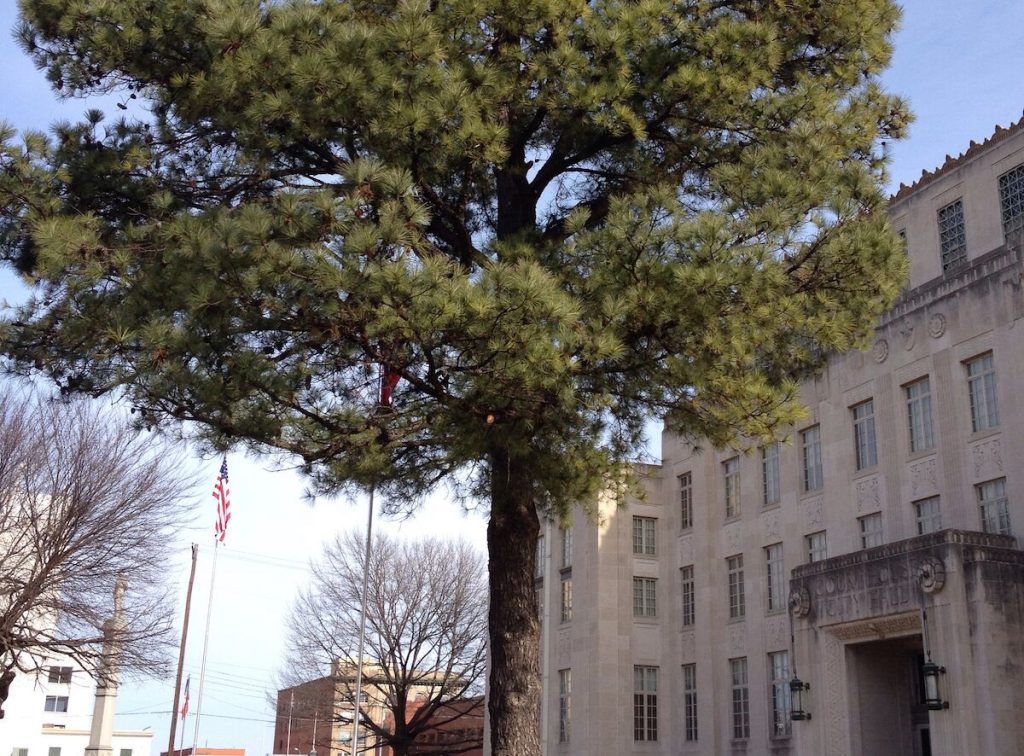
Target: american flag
point(184, 706)
point(223, 498)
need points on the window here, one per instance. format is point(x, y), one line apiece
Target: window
point(864, 434)
point(778, 676)
point(685, 501)
point(59, 675)
point(539, 594)
point(645, 703)
point(770, 474)
point(567, 546)
point(817, 550)
point(776, 574)
point(539, 567)
point(919, 415)
point(690, 703)
point(737, 604)
point(56, 703)
point(995, 509)
point(566, 599)
point(645, 597)
point(19, 752)
point(740, 699)
point(644, 536)
point(1011, 199)
point(810, 447)
point(952, 236)
point(125, 752)
point(870, 530)
point(929, 518)
point(564, 704)
point(686, 575)
point(981, 386)
point(731, 473)
point(53, 751)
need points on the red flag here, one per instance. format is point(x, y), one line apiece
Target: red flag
point(223, 498)
point(184, 706)
point(389, 380)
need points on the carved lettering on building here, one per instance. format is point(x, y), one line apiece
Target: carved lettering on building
point(869, 590)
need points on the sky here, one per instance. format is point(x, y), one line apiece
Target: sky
point(958, 64)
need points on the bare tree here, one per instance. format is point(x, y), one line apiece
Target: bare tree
point(85, 498)
point(426, 629)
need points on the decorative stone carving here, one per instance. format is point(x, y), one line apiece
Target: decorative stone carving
point(770, 524)
point(878, 628)
point(936, 325)
point(880, 350)
point(931, 574)
point(775, 634)
point(923, 478)
point(867, 495)
point(812, 511)
point(909, 334)
point(799, 602)
point(737, 639)
point(733, 537)
point(689, 647)
point(988, 458)
point(835, 697)
point(686, 551)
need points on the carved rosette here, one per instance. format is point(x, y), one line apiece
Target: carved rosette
point(931, 574)
point(936, 325)
point(880, 350)
point(799, 602)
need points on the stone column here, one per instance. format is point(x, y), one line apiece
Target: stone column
point(101, 734)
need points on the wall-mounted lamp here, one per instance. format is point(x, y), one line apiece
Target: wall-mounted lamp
point(797, 687)
point(932, 698)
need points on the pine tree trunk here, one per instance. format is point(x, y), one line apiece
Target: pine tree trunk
point(514, 683)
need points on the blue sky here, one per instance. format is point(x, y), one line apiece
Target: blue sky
point(959, 64)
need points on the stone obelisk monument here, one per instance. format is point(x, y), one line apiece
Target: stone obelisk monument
point(101, 735)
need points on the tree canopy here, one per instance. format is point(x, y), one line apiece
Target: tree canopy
point(547, 220)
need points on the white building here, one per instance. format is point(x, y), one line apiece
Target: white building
point(50, 713)
point(880, 533)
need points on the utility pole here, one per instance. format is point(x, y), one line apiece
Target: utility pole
point(181, 652)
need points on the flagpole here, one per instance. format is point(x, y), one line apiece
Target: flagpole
point(362, 627)
point(181, 654)
point(206, 644)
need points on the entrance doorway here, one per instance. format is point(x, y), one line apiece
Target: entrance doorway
point(888, 716)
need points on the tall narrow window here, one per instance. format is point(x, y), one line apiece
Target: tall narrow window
point(810, 448)
point(770, 474)
point(817, 549)
point(566, 599)
point(538, 570)
point(567, 546)
point(686, 575)
point(1011, 199)
point(919, 415)
point(928, 515)
point(952, 236)
point(864, 434)
point(685, 501)
point(645, 704)
point(981, 387)
point(539, 596)
point(995, 508)
point(731, 475)
point(737, 602)
point(775, 571)
point(645, 594)
point(564, 704)
point(690, 703)
point(740, 699)
point(778, 676)
point(644, 536)
point(870, 530)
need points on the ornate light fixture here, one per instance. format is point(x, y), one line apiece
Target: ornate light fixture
point(930, 671)
point(797, 687)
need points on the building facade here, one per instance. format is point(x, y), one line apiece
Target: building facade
point(870, 558)
point(49, 713)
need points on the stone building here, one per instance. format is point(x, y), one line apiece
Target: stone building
point(870, 558)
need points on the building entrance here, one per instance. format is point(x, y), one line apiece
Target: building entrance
point(888, 716)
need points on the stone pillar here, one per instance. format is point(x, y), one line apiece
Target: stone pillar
point(101, 735)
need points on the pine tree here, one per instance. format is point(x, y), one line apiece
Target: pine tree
point(542, 222)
